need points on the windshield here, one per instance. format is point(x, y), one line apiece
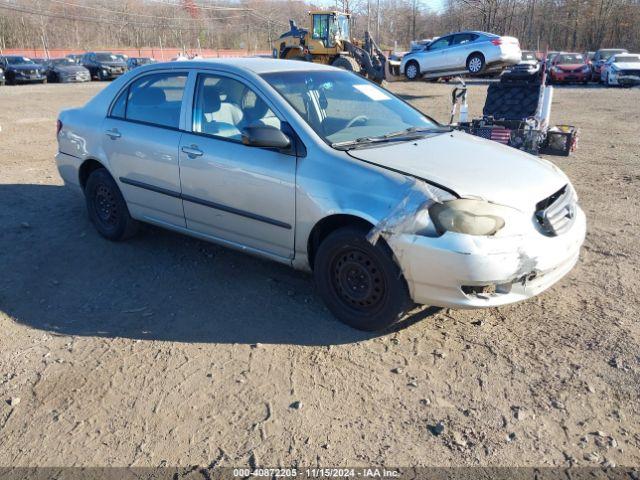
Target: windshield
point(61, 62)
point(343, 107)
point(627, 58)
point(569, 59)
point(106, 57)
point(18, 60)
point(606, 54)
point(528, 56)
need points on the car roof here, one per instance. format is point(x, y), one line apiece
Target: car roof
point(257, 65)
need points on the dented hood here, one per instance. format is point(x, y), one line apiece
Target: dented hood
point(472, 167)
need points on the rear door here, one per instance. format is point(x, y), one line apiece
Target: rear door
point(141, 138)
point(242, 195)
point(462, 45)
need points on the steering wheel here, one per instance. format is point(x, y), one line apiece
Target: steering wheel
point(354, 120)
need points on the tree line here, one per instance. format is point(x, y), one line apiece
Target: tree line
point(575, 25)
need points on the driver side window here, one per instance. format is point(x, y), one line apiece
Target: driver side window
point(224, 107)
point(440, 44)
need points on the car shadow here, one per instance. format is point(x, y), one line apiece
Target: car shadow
point(60, 276)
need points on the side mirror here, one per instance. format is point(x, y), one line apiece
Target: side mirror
point(265, 136)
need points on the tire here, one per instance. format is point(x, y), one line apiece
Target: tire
point(346, 63)
point(101, 77)
point(107, 208)
point(347, 261)
point(412, 70)
point(475, 63)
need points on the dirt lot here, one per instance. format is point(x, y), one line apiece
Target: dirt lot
point(169, 351)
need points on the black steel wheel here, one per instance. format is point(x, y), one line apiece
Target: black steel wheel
point(360, 283)
point(107, 208)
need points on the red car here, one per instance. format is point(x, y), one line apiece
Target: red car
point(570, 67)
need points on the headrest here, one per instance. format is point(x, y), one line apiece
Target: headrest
point(253, 106)
point(148, 96)
point(210, 99)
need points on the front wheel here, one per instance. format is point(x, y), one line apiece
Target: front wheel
point(412, 70)
point(475, 63)
point(107, 208)
point(360, 283)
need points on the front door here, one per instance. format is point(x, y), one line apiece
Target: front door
point(141, 139)
point(239, 194)
point(435, 56)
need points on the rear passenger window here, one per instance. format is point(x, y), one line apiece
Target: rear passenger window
point(463, 38)
point(155, 99)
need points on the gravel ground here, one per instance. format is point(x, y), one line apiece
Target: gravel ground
point(169, 351)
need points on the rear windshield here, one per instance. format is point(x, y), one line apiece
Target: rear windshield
point(569, 58)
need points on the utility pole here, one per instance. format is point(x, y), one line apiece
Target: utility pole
point(413, 19)
point(377, 39)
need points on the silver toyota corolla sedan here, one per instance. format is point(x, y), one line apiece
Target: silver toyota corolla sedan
point(320, 169)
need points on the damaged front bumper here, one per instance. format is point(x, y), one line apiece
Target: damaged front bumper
point(464, 271)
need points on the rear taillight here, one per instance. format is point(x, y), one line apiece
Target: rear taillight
point(497, 41)
point(58, 127)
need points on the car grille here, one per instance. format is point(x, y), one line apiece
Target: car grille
point(556, 214)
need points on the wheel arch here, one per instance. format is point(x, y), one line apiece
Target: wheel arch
point(476, 52)
point(86, 168)
point(325, 226)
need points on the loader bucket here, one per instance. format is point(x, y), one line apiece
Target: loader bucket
point(389, 76)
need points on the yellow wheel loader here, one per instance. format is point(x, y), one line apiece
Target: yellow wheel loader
point(329, 42)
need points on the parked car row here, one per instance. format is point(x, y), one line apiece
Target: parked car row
point(17, 69)
point(610, 66)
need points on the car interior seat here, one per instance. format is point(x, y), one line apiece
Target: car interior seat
point(217, 117)
point(151, 102)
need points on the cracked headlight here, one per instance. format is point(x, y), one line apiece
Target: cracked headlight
point(473, 217)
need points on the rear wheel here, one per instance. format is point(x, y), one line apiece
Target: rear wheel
point(359, 282)
point(107, 208)
point(412, 70)
point(475, 63)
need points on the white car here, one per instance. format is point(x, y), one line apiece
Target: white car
point(622, 69)
point(317, 168)
point(474, 52)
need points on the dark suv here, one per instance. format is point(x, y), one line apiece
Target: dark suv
point(19, 69)
point(103, 65)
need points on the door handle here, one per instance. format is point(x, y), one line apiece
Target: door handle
point(193, 151)
point(113, 133)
